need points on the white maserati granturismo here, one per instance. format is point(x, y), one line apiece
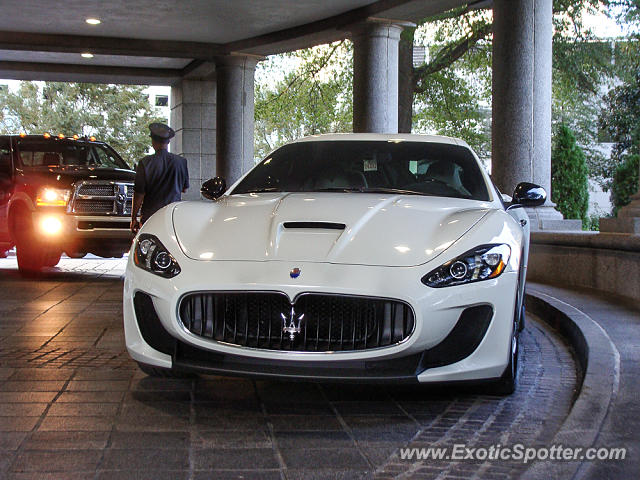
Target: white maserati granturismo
point(354, 257)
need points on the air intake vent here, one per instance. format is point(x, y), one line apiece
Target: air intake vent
point(320, 225)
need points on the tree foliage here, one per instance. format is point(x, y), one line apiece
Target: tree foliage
point(315, 97)
point(116, 114)
point(625, 182)
point(620, 120)
point(569, 186)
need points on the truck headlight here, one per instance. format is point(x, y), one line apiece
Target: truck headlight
point(481, 263)
point(150, 255)
point(52, 197)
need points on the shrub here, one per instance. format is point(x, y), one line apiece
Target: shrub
point(569, 187)
point(625, 182)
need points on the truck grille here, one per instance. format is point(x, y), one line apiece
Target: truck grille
point(330, 322)
point(102, 198)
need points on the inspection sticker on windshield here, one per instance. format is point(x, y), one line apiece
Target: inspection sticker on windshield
point(370, 165)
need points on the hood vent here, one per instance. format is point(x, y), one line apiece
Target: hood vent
point(320, 225)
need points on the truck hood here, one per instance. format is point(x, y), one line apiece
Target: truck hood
point(344, 228)
point(64, 177)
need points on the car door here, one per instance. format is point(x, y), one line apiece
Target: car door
point(6, 185)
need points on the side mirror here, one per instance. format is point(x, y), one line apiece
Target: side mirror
point(214, 188)
point(529, 195)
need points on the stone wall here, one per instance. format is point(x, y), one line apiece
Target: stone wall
point(605, 261)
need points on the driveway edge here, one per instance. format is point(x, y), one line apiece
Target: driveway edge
point(599, 361)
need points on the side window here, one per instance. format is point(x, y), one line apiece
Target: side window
point(104, 159)
point(5, 158)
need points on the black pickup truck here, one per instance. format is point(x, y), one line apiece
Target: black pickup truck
point(60, 194)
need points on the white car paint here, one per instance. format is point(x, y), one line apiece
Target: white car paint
point(390, 242)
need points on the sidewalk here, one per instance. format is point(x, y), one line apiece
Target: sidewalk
point(620, 319)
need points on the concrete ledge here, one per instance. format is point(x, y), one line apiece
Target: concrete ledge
point(609, 262)
point(600, 363)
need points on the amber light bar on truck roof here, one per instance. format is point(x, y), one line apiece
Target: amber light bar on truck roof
point(61, 136)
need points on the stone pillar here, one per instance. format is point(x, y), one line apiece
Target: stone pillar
point(235, 115)
point(521, 126)
point(375, 76)
point(193, 117)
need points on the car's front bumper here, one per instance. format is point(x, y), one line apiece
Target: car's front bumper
point(437, 312)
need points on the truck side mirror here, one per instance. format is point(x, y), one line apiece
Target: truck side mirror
point(214, 188)
point(529, 195)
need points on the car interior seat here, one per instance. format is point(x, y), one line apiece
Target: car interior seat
point(449, 173)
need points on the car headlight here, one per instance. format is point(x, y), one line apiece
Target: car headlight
point(481, 263)
point(150, 255)
point(52, 197)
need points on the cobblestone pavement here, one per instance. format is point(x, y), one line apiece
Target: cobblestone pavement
point(74, 406)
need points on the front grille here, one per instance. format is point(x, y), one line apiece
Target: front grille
point(94, 206)
point(99, 190)
point(102, 198)
point(330, 322)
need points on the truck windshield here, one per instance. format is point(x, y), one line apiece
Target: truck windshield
point(67, 153)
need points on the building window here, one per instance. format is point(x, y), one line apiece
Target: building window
point(162, 100)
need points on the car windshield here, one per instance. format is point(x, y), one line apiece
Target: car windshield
point(66, 153)
point(405, 167)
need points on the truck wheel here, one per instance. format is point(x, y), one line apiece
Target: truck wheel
point(52, 258)
point(32, 254)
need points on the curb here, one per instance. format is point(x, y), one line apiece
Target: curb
point(599, 362)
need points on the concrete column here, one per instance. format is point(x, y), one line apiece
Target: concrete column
point(193, 117)
point(375, 76)
point(235, 115)
point(521, 128)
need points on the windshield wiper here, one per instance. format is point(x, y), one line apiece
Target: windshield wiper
point(370, 190)
point(261, 190)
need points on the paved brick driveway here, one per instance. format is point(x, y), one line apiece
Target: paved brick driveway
point(74, 406)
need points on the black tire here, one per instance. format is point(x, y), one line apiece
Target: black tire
point(160, 372)
point(523, 313)
point(76, 254)
point(32, 253)
point(52, 258)
point(506, 385)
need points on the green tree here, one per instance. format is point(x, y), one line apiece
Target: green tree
point(620, 120)
point(116, 114)
point(569, 186)
point(314, 98)
point(625, 182)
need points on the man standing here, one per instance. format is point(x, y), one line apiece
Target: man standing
point(161, 178)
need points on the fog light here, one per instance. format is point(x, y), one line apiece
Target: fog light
point(51, 225)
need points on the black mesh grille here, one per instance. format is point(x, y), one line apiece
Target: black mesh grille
point(93, 206)
point(100, 190)
point(330, 322)
point(107, 198)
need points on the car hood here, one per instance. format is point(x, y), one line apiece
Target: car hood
point(379, 229)
point(64, 177)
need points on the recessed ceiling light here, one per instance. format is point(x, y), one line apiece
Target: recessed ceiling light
point(93, 21)
point(87, 55)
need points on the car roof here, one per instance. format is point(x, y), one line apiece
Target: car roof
point(406, 137)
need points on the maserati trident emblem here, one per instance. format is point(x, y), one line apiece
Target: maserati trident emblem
point(292, 324)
